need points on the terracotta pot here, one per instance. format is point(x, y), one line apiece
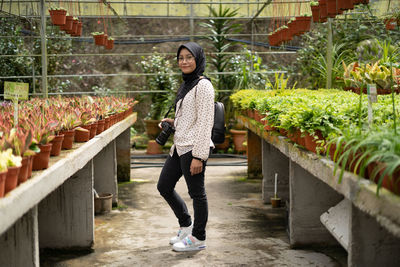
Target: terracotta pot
point(275, 202)
point(30, 167)
point(269, 127)
point(41, 159)
point(11, 178)
point(390, 183)
point(57, 143)
point(81, 135)
point(23, 172)
point(257, 116)
point(3, 176)
point(93, 130)
point(311, 143)
point(346, 4)
point(315, 13)
point(99, 39)
point(152, 128)
point(153, 148)
point(283, 132)
point(331, 8)
point(238, 138)
point(78, 31)
point(323, 12)
point(110, 44)
point(225, 145)
point(58, 17)
point(68, 24)
point(106, 123)
point(74, 27)
point(390, 24)
point(100, 126)
point(68, 139)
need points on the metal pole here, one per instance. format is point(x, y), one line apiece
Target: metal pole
point(191, 22)
point(329, 56)
point(44, 47)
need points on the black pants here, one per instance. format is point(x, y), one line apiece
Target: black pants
point(172, 171)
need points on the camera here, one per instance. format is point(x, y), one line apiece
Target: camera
point(167, 130)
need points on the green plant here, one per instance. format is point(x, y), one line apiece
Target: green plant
point(314, 3)
point(10, 159)
point(161, 81)
point(280, 82)
point(219, 28)
point(97, 33)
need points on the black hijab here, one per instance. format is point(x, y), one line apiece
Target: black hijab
point(190, 80)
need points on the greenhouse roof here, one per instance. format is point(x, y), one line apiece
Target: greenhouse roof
point(177, 8)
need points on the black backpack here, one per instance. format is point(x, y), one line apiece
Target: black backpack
point(218, 130)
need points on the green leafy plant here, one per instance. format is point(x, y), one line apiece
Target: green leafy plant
point(163, 83)
point(219, 28)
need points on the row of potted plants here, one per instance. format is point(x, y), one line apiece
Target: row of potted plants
point(45, 126)
point(295, 26)
point(102, 39)
point(358, 75)
point(321, 121)
point(70, 24)
point(323, 9)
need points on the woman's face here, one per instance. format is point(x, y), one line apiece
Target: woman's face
point(186, 61)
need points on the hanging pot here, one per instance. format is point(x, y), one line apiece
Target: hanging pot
point(323, 12)
point(68, 24)
point(315, 13)
point(58, 17)
point(331, 8)
point(99, 39)
point(110, 44)
point(78, 31)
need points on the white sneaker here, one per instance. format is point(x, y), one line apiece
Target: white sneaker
point(190, 243)
point(182, 233)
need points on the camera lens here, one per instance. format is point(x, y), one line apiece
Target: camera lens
point(167, 129)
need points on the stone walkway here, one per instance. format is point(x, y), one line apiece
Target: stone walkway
point(241, 231)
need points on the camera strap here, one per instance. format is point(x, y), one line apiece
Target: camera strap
point(169, 110)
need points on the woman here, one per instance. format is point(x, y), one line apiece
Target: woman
point(194, 119)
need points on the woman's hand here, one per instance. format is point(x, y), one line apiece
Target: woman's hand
point(196, 167)
point(170, 121)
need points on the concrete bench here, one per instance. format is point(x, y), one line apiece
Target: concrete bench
point(55, 207)
point(321, 210)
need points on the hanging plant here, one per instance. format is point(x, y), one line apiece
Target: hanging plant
point(58, 15)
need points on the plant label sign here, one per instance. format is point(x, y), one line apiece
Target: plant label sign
point(16, 91)
point(371, 90)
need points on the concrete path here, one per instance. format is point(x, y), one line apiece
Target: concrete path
point(241, 231)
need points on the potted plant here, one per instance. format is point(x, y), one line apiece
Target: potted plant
point(315, 10)
point(43, 133)
point(13, 168)
point(99, 38)
point(58, 15)
point(67, 27)
point(110, 43)
point(164, 83)
point(69, 121)
point(3, 172)
point(323, 13)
